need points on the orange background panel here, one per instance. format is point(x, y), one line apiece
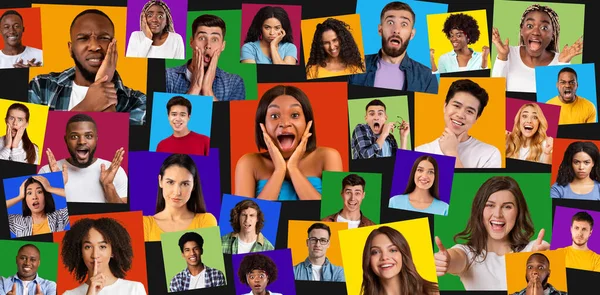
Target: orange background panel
point(560, 146)
point(516, 264)
point(32, 36)
point(132, 221)
point(57, 57)
point(330, 109)
point(297, 241)
point(489, 128)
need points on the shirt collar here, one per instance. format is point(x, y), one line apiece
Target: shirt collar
point(308, 264)
point(16, 278)
point(260, 239)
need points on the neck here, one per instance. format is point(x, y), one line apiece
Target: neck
point(38, 215)
point(334, 60)
point(568, 102)
point(13, 50)
point(393, 60)
point(421, 195)
point(196, 269)
point(499, 247)
point(248, 237)
point(181, 133)
point(527, 142)
point(265, 44)
point(391, 286)
point(31, 278)
point(264, 292)
point(159, 36)
point(317, 260)
point(350, 215)
point(463, 51)
point(542, 60)
point(582, 247)
point(176, 213)
point(586, 180)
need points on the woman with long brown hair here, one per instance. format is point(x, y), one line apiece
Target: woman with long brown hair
point(388, 267)
point(15, 145)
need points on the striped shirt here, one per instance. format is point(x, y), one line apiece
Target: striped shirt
point(21, 225)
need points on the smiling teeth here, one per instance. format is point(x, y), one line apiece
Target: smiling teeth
point(386, 265)
point(497, 223)
point(457, 123)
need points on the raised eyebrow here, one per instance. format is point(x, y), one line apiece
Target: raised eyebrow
point(532, 19)
point(206, 33)
point(401, 17)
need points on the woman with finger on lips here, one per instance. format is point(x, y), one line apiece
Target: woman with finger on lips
point(40, 215)
point(292, 166)
point(528, 140)
point(157, 37)
point(15, 145)
point(98, 253)
point(269, 39)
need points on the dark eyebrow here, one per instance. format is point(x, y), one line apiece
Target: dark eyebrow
point(205, 33)
point(532, 19)
point(402, 17)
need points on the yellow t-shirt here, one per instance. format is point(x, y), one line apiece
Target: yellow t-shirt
point(582, 259)
point(152, 231)
point(580, 111)
point(324, 73)
point(41, 228)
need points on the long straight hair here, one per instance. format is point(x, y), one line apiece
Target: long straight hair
point(433, 190)
point(196, 202)
point(28, 146)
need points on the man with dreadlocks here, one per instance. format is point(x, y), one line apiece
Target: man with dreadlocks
point(157, 38)
point(538, 46)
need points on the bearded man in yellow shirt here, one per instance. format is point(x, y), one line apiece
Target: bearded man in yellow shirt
point(578, 255)
point(574, 109)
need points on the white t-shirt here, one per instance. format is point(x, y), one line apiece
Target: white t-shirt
point(77, 95)
point(351, 223)
point(121, 286)
point(197, 281)
point(84, 183)
point(26, 287)
point(519, 77)
point(489, 274)
point(140, 46)
point(524, 152)
point(472, 153)
point(8, 61)
point(316, 272)
point(244, 247)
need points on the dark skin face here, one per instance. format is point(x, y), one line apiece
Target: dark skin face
point(12, 31)
point(28, 261)
point(90, 36)
point(537, 266)
point(81, 139)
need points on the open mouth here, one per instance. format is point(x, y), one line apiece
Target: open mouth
point(177, 125)
point(193, 259)
point(528, 127)
point(286, 141)
point(535, 44)
point(36, 205)
point(376, 126)
point(568, 93)
point(257, 286)
point(82, 153)
point(424, 181)
point(457, 123)
point(497, 225)
point(352, 204)
point(207, 59)
point(395, 42)
point(247, 226)
point(386, 266)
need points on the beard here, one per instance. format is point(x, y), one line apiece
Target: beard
point(77, 164)
point(580, 244)
point(87, 75)
point(391, 51)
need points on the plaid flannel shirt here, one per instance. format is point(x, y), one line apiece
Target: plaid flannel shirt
point(230, 245)
point(54, 90)
point(212, 278)
point(553, 291)
point(226, 86)
point(364, 144)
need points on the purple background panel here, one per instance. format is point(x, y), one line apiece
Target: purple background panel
point(113, 133)
point(178, 12)
point(143, 180)
point(294, 13)
point(404, 163)
point(561, 228)
point(284, 284)
point(551, 112)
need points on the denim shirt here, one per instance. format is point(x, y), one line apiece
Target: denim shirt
point(418, 77)
point(48, 287)
point(329, 272)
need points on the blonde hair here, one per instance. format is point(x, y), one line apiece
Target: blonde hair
point(516, 139)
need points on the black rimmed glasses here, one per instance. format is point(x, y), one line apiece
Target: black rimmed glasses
point(322, 241)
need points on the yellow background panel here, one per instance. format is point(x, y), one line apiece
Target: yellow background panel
point(38, 117)
point(56, 20)
point(415, 231)
point(489, 128)
point(297, 241)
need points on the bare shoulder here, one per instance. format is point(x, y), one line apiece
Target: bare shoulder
point(249, 160)
point(327, 152)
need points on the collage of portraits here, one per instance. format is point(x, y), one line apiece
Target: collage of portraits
point(360, 147)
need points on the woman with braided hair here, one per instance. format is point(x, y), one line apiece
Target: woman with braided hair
point(334, 51)
point(157, 37)
point(538, 46)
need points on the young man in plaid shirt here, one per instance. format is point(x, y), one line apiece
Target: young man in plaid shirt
point(196, 275)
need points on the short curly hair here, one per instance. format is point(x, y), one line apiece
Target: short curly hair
point(258, 261)
point(462, 22)
point(114, 234)
point(234, 215)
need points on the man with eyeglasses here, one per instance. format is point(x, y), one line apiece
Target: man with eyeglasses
point(573, 109)
point(317, 267)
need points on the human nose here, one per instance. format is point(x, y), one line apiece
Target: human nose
point(285, 122)
point(94, 45)
point(497, 211)
point(178, 190)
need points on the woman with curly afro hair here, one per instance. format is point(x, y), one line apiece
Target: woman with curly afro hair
point(333, 51)
point(258, 271)
point(99, 253)
point(461, 30)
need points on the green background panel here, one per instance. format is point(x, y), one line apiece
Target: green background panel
point(229, 61)
point(332, 201)
point(394, 106)
point(212, 254)
point(507, 17)
point(465, 187)
point(48, 258)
